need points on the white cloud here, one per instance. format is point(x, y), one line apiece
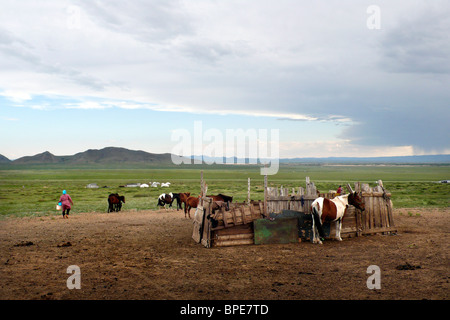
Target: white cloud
point(16, 96)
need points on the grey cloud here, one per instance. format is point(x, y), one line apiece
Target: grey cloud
point(423, 128)
point(16, 48)
point(148, 21)
point(418, 44)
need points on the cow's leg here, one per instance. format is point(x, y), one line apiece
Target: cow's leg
point(318, 236)
point(338, 229)
point(315, 232)
point(316, 225)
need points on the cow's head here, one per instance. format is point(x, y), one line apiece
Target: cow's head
point(355, 200)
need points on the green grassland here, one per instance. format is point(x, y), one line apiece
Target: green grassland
point(35, 190)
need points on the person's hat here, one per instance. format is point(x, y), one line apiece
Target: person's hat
point(64, 191)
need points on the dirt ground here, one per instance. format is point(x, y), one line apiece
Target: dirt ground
point(151, 255)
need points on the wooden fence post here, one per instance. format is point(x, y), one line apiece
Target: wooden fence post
point(248, 192)
point(201, 188)
point(265, 195)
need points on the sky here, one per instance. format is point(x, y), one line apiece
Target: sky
point(335, 78)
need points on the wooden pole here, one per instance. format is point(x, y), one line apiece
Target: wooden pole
point(201, 188)
point(248, 192)
point(265, 194)
point(349, 188)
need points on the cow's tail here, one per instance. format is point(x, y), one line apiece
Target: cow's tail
point(317, 222)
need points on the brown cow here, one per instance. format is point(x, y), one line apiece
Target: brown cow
point(191, 202)
point(115, 202)
point(183, 198)
point(328, 210)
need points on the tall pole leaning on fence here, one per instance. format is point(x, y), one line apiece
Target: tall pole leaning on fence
point(248, 192)
point(201, 188)
point(265, 192)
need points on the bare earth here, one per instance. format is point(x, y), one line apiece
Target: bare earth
point(151, 255)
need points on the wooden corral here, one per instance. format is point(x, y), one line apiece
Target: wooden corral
point(268, 218)
point(226, 228)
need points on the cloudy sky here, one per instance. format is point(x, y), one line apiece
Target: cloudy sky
point(336, 78)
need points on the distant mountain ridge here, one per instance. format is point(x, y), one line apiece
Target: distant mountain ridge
point(116, 155)
point(106, 155)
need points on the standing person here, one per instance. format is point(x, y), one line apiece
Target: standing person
point(339, 191)
point(67, 203)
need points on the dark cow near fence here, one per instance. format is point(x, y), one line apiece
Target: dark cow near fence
point(176, 196)
point(115, 202)
point(223, 198)
point(329, 210)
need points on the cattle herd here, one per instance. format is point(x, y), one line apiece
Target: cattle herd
point(115, 201)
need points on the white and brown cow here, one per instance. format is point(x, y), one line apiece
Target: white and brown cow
point(329, 210)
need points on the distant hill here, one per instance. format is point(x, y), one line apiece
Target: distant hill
point(118, 155)
point(109, 155)
point(4, 159)
point(44, 157)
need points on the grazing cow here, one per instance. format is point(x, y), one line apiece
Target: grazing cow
point(115, 202)
point(164, 199)
point(191, 202)
point(183, 198)
point(223, 198)
point(328, 210)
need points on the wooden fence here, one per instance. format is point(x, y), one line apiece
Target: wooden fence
point(236, 226)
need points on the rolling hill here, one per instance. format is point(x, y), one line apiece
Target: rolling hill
point(107, 155)
point(4, 159)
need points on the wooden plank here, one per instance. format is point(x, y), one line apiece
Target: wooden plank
point(198, 220)
point(383, 213)
point(239, 229)
point(228, 243)
point(265, 195)
point(233, 213)
point(244, 221)
point(235, 236)
point(224, 218)
point(376, 213)
point(391, 218)
point(375, 194)
point(206, 224)
point(248, 191)
point(252, 212)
